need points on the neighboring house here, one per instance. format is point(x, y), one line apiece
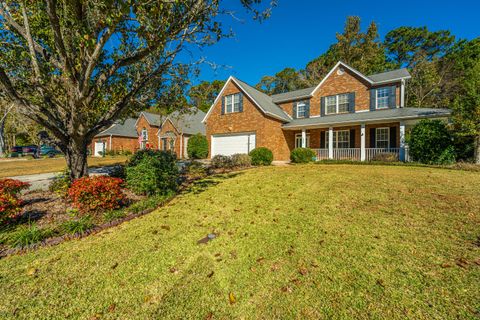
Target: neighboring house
point(151, 131)
point(346, 116)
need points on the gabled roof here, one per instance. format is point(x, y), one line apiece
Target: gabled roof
point(390, 76)
point(124, 128)
point(293, 95)
point(377, 115)
point(260, 99)
point(189, 121)
point(153, 119)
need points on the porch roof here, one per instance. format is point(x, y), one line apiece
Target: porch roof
point(387, 115)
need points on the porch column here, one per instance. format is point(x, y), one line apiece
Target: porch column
point(330, 143)
point(402, 141)
point(304, 138)
point(363, 154)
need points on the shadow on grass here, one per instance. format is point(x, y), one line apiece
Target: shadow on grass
point(202, 185)
point(196, 295)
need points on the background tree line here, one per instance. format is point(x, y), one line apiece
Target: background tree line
point(445, 72)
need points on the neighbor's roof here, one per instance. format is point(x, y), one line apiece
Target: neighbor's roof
point(378, 115)
point(153, 119)
point(264, 101)
point(390, 76)
point(293, 95)
point(189, 121)
point(121, 129)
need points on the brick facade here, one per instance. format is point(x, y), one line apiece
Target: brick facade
point(178, 141)
point(269, 132)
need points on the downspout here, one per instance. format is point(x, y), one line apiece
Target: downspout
point(110, 143)
point(402, 93)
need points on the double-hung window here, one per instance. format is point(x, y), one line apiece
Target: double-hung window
point(383, 97)
point(337, 104)
point(341, 139)
point(301, 110)
point(232, 103)
point(382, 138)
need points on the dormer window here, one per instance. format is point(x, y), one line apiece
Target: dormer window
point(383, 97)
point(232, 103)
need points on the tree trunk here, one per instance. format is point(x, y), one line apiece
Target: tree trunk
point(76, 156)
point(2, 137)
point(477, 149)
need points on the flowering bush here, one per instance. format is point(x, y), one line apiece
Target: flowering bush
point(9, 201)
point(12, 186)
point(99, 193)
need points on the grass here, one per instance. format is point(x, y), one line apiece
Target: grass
point(10, 168)
point(305, 241)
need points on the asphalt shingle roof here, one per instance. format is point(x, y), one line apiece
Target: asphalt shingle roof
point(153, 118)
point(389, 75)
point(293, 95)
point(122, 129)
point(388, 114)
point(189, 122)
point(265, 102)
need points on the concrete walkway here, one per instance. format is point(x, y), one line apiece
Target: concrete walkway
point(41, 181)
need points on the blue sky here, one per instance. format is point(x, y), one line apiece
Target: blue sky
point(300, 30)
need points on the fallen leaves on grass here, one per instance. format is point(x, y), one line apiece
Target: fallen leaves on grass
point(231, 298)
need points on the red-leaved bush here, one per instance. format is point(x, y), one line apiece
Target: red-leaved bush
point(9, 201)
point(99, 193)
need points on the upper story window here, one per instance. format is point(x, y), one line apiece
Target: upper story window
point(144, 134)
point(301, 110)
point(232, 103)
point(339, 103)
point(383, 97)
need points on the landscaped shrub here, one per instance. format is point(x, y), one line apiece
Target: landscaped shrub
point(221, 162)
point(261, 156)
point(385, 157)
point(153, 172)
point(28, 235)
point(196, 170)
point(90, 194)
point(10, 203)
point(429, 142)
point(197, 147)
point(60, 184)
point(118, 171)
point(12, 186)
point(302, 155)
point(241, 160)
point(77, 226)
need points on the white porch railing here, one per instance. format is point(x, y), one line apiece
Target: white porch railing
point(371, 154)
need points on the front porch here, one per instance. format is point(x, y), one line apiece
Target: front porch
point(364, 142)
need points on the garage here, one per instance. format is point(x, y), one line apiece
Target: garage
point(229, 144)
point(99, 148)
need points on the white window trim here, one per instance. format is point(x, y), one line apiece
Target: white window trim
point(144, 134)
point(376, 98)
point(388, 137)
point(335, 133)
point(337, 104)
point(307, 142)
point(304, 110)
point(232, 103)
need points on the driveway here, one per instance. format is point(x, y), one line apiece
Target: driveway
point(41, 181)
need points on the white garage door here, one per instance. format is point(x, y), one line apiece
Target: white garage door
point(233, 143)
point(99, 148)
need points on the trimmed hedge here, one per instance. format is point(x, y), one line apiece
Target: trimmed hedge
point(197, 147)
point(261, 156)
point(152, 172)
point(302, 155)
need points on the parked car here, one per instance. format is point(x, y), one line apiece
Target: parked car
point(49, 151)
point(20, 151)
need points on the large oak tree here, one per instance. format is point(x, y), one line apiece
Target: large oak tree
point(76, 66)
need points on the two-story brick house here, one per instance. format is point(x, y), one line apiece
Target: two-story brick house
point(153, 131)
point(348, 115)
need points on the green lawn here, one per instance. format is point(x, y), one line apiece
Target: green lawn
point(304, 242)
